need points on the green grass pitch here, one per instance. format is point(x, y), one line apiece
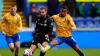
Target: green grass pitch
point(56, 52)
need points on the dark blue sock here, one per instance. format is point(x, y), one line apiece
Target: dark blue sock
point(16, 54)
point(42, 54)
point(82, 54)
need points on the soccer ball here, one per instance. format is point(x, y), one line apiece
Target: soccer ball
point(27, 52)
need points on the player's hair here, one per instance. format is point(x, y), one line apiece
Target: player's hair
point(13, 5)
point(64, 7)
point(81, 2)
point(43, 7)
point(93, 2)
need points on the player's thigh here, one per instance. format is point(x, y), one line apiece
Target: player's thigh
point(35, 41)
point(70, 41)
point(33, 47)
point(57, 41)
point(11, 45)
point(17, 44)
point(44, 43)
point(9, 39)
point(16, 38)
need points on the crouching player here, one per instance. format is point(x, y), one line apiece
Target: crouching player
point(64, 25)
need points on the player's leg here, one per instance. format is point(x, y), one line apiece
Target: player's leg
point(72, 43)
point(11, 46)
point(35, 41)
point(55, 41)
point(33, 48)
point(10, 43)
point(78, 50)
point(44, 45)
point(17, 47)
point(16, 39)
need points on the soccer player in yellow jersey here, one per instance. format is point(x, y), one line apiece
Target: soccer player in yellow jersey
point(11, 25)
point(64, 25)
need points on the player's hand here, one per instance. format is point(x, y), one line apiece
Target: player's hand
point(4, 33)
point(47, 36)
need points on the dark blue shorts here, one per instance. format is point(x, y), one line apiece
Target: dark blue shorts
point(12, 39)
point(68, 40)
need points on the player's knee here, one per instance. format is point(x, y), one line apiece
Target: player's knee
point(44, 44)
point(18, 46)
point(54, 42)
point(32, 48)
point(11, 46)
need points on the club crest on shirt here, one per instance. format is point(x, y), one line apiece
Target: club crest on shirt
point(45, 21)
point(16, 18)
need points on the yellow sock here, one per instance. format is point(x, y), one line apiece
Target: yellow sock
point(47, 47)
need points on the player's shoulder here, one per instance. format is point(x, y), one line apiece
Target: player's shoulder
point(17, 14)
point(6, 14)
point(49, 18)
point(68, 15)
point(56, 15)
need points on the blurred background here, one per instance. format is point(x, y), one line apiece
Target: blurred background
point(85, 13)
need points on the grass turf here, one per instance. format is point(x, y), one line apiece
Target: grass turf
point(57, 52)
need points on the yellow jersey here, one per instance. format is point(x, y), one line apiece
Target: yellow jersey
point(11, 24)
point(64, 25)
point(0, 26)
